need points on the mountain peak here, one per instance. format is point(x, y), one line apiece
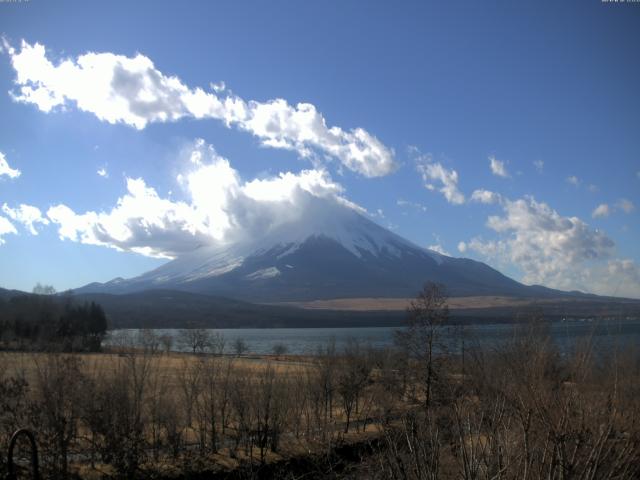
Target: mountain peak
point(332, 251)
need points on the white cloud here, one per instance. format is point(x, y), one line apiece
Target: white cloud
point(447, 178)
point(625, 205)
point(439, 249)
point(102, 172)
point(621, 277)
point(601, 210)
point(219, 207)
point(539, 164)
point(141, 219)
point(5, 169)
point(497, 167)
point(550, 249)
point(406, 203)
point(27, 215)
point(6, 227)
point(573, 180)
point(485, 196)
point(218, 87)
point(556, 251)
point(490, 249)
point(131, 90)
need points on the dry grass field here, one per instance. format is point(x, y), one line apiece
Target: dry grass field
point(217, 411)
point(527, 411)
point(398, 304)
point(172, 365)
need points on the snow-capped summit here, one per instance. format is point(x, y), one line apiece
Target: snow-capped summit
point(332, 251)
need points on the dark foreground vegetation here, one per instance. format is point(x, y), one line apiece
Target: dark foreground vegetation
point(47, 322)
point(526, 411)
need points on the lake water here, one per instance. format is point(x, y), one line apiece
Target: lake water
point(606, 335)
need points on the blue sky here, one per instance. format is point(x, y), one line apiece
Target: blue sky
point(547, 90)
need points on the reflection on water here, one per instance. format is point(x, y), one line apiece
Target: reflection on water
point(606, 335)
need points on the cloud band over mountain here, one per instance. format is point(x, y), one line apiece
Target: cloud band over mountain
point(220, 207)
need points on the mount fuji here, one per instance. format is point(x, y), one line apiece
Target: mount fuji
point(329, 251)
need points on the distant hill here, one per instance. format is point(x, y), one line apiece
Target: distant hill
point(6, 294)
point(178, 309)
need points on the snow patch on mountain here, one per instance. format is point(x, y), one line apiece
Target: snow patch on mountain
point(350, 229)
point(264, 273)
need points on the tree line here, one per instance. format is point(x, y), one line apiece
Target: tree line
point(43, 321)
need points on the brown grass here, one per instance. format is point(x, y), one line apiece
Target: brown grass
point(399, 304)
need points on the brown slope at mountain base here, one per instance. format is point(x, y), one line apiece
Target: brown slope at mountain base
point(461, 303)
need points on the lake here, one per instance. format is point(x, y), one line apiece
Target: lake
point(606, 335)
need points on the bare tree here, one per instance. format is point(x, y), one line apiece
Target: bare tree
point(352, 377)
point(14, 405)
point(190, 385)
point(57, 409)
point(218, 343)
point(166, 340)
point(156, 406)
point(40, 289)
point(149, 340)
point(117, 417)
point(212, 397)
point(269, 406)
point(195, 339)
point(425, 317)
point(279, 349)
point(240, 346)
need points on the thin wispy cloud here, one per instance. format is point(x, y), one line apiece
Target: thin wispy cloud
point(379, 213)
point(539, 165)
point(497, 167)
point(6, 228)
point(573, 180)
point(406, 203)
point(625, 205)
point(218, 87)
point(438, 178)
point(439, 249)
point(5, 168)
point(601, 211)
point(485, 196)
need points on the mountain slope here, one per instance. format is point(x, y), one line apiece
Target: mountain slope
point(330, 252)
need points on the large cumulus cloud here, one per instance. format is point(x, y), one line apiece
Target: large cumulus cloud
point(131, 90)
point(219, 207)
point(555, 250)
